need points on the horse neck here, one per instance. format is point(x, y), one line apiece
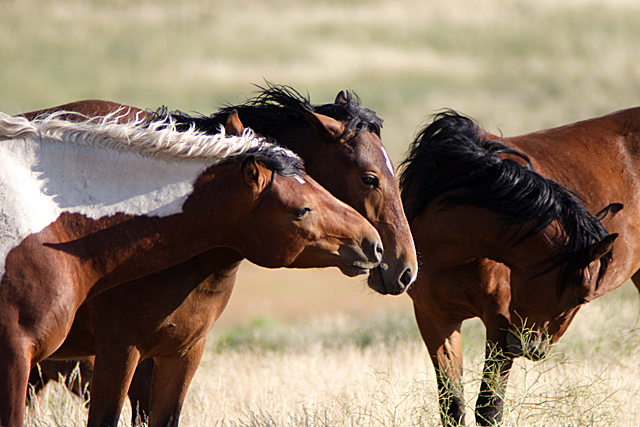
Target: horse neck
point(206, 224)
point(121, 248)
point(461, 233)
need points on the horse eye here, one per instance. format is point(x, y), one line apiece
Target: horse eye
point(301, 212)
point(371, 181)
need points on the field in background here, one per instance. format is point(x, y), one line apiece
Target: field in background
point(516, 66)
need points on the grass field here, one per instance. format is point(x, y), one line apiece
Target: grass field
point(516, 66)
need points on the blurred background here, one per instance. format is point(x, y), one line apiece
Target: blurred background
point(515, 66)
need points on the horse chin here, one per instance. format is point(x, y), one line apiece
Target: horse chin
point(353, 271)
point(535, 349)
point(377, 282)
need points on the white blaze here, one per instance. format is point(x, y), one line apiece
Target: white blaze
point(388, 161)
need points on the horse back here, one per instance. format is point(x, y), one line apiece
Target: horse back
point(92, 108)
point(599, 160)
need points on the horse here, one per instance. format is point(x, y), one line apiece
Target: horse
point(366, 182)
point(505, 231)
point(89, 205)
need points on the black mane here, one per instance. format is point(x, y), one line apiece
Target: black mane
point(452, 155)
point(277, 107)
point(281, 161)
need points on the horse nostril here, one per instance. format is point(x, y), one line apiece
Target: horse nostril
point(406, 278)
point(378, 251)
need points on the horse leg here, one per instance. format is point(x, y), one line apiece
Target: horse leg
point(171, 378)
point(636, 280)
point(489, 406)
point(444, 343)
point(140, 392)
point(112, 375)
point(15, 364)
point(490, 403)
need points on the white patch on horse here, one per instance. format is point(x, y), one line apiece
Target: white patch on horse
point(99, 168)
point(300, 179)
point(388, 161)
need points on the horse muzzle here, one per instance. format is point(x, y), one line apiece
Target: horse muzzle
point(529, 345)
point(388, 282)
point(361, 259)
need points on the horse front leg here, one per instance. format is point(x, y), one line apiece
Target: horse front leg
point(443, 340)
point(490, 403)
point(114, 367)
point(171, 378)
point(15, 364)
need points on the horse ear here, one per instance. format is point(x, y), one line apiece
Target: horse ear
point(341, 98)
point(233, 126)
point(327, 126)
point(610, 209)
point(250, 171)
point(601, 248)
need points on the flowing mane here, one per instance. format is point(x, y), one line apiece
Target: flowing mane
point(277, 107)
point(452, 156)
point(155, 138)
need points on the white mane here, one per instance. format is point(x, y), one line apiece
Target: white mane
point(149, 138)
point(98, 167)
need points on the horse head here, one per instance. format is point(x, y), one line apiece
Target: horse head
point(341, 147)
point(275, 201)
point(353, 165)
point(543, 307)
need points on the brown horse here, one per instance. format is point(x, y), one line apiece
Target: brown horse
point(344, 153)
point(502, 233)
point(87, 206)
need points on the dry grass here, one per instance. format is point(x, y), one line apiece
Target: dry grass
point(514, 65)
point(354, 370)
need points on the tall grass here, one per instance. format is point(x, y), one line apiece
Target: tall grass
point(352, 371)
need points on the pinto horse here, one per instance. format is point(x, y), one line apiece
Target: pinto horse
point(344, 153)
point(90, 205)
point(504, 231)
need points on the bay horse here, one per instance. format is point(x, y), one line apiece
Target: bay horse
point(89, 205)
point(343, 153)
point(504, 232)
